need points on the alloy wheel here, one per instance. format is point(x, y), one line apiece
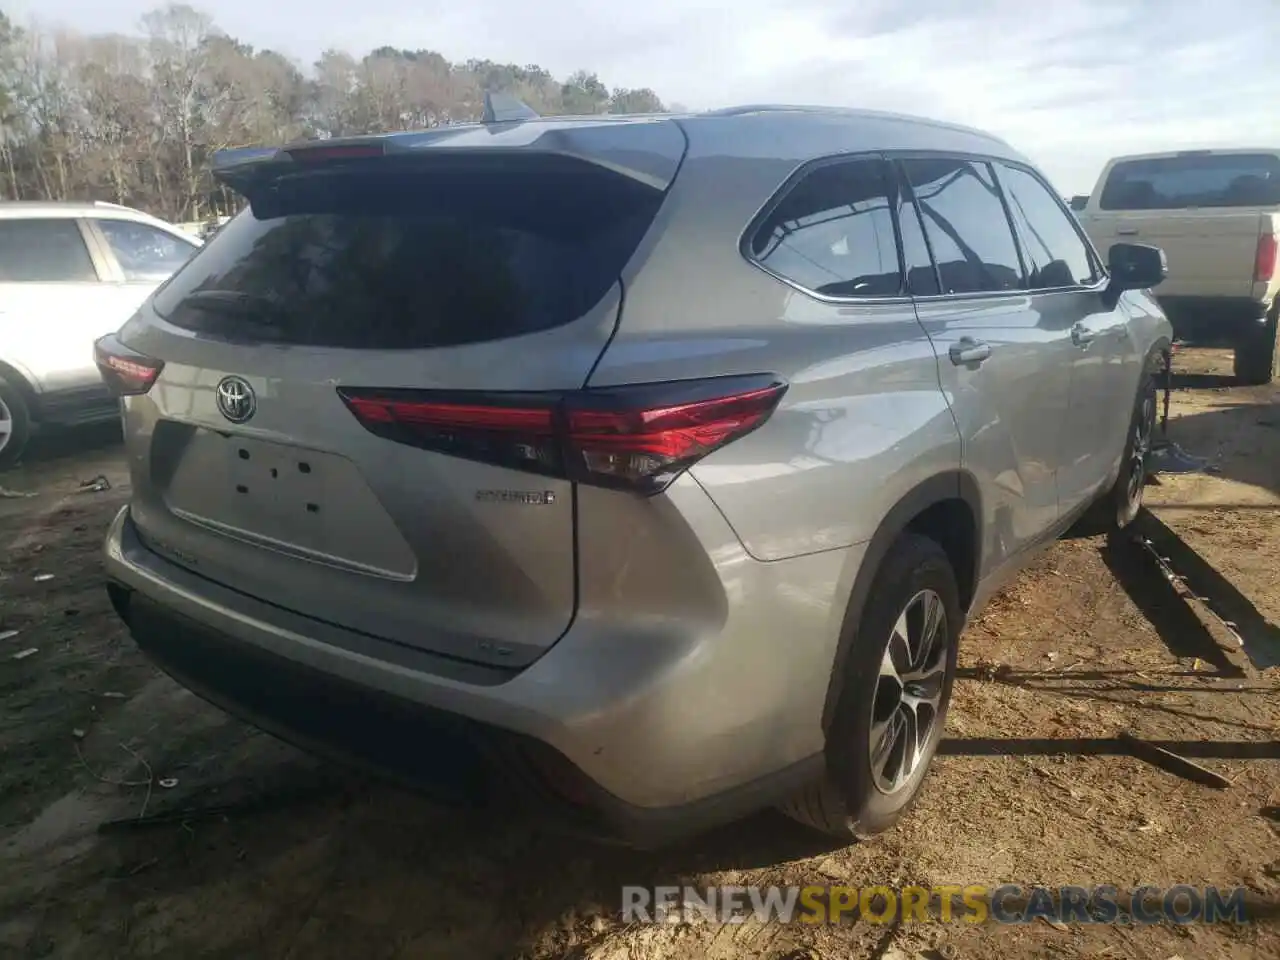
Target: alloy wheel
point(908, 697)
point(1143, 429)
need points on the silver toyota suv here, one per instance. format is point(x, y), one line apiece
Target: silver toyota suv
point(645, 468)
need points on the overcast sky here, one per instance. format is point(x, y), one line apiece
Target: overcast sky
point(1070, 82)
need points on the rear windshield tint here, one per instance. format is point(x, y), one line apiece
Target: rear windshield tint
point(1180, 183)
point(393, 257)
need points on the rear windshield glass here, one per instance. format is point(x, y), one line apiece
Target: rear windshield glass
point(1179, 183)
point(392, 257)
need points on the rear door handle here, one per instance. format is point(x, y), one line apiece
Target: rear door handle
point(1081, 335)
point(967, 350)
point(1127, 232)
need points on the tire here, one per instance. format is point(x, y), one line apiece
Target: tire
point(1257, 355)
point(15, 424)
point(1120, 505)
point(854, 800)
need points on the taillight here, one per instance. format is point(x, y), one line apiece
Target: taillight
point(126, 372)
point(1265, 265)
point(635, 437)
point(513, 431)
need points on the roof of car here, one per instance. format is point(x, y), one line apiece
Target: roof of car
point(852, 114)
point(24, 209)
point(1205, 152)
point(819, 129)
point(762, 110)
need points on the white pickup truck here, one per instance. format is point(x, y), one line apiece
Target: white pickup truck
point(1216, 215)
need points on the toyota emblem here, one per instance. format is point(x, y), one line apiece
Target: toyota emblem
point(236, 400)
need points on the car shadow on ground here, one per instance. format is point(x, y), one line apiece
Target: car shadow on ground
point(65, 446)
point(327, 864)
point(1159, 570)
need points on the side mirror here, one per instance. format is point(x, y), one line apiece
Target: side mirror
point(1134, 266)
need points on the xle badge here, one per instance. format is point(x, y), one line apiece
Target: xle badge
point(532, 498)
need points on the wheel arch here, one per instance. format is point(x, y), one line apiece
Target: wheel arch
point(930, 508)
point(24, 385)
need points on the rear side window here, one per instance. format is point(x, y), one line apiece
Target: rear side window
point(44, 251)
point(832, 232)
point(399, 256)
point(144, 252)
point(1198, 180)
point(964, 219)
point(1056, 255)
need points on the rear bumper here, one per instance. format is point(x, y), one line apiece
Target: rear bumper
point(81, 405)
point(616, 760)
point(1225, 314)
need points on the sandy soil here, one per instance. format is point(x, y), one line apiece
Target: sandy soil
point(268, 854)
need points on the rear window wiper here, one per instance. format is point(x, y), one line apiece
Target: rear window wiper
point(236, 301)
point(253, 310)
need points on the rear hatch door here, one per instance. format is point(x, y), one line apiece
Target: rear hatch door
point(476, 262)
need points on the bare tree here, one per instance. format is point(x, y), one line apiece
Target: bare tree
point(137, 119)
point(180, 63)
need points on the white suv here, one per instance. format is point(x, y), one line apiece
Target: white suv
point(70, 273)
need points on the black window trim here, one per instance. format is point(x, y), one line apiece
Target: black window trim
point(905, 192)
point(893, 182)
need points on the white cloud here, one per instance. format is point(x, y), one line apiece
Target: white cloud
point(1070, 83)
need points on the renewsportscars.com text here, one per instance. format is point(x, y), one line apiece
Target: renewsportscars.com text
point(974, 903)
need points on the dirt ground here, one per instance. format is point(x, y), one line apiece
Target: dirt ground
point(270, 855)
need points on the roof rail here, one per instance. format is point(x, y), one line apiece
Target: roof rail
point(745, 109)
point(504, 108)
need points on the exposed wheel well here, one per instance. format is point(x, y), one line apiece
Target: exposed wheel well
point(946, 508)
point(950, 524)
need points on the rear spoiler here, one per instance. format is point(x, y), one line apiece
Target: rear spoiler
point(645, 149)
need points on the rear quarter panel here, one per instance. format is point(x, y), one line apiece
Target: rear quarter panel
point(864, 418)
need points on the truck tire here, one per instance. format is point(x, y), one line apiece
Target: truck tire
point(876, 765)
point(15, 423)
point(1257, 355)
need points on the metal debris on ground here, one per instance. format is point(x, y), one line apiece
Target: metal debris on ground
point(1167, 457)
point(42, 577)
point(23, 654)
point(97, 485)
point(168, 783)
point(991, 670)
point(7, 494)
point(8, 634)
point(1168, 760)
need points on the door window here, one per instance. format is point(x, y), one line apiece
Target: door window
point(833, 234)
point(1056, 255)
point(144, 252)
point(966, 225)
point(44, 251)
